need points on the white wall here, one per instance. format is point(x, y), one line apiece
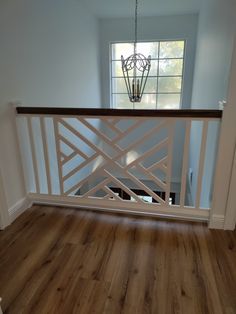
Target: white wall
point(49, 57)
point(211, 76)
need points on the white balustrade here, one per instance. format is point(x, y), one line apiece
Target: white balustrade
point(123, 163)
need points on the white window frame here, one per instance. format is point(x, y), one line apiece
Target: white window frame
point(112, 105)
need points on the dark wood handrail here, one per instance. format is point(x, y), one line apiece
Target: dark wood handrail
point(180, 113)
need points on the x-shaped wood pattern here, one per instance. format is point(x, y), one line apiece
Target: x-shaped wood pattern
point(108, 155)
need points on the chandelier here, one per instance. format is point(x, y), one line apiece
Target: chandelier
point(135, 68)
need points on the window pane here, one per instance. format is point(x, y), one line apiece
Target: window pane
point(125, 49)
point(168, 101)
point(171, 49)
point(148, 102)
point(148, 49)
point(170, 67)
point(153, 69)
point(118, 85)
point(151, 85)
point(169, 84)
point(116, 68)
point(121, 101)
point(163, 88)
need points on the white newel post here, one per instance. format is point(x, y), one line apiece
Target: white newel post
point(230, 216)
point(223, 211)
point(4, 214)
point(0, 306)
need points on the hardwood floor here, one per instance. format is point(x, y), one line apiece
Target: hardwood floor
point(55, 260)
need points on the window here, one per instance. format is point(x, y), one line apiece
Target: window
point(164, 85)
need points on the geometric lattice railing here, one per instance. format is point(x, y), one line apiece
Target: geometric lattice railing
point(148, 164)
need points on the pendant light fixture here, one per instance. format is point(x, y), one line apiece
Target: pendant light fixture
point(135, 68)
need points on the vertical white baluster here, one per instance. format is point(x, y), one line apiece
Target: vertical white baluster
point(59, 162)
point(201, 162)
point(45, 152)
point(171, 125)
point(0, 306)
point(185, 163)
point(34, 158)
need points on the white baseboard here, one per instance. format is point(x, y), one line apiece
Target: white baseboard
point(217, 222)
point(16, 210)
point(177, 212)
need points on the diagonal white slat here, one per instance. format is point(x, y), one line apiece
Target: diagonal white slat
point(58, 152)
point(143, 187)
point(110, 125)
point(148, 153)
point(63, 155)
point(92, 175)
point(130, 129)
point(108, 196)
point(145, 136)
point(68, 158)
point(84, 139)
point(185, 163)
point(159, 164)
point(110, 193)
point(72, 146)
point(78, 168)
point(153, 178)
point(100, 135)
point(123, 187)
point(96, 188)
point(115, 121)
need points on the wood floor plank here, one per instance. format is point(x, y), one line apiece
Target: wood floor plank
point(28, 250)
point(59, 260)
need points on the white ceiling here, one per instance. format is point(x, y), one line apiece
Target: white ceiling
point(125, 8)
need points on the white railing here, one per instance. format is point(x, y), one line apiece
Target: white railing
point(0, 306)
point(133, 161)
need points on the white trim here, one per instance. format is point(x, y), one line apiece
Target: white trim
point(0, 306)
point(4, 214)
point(230, 215)
point(16, 210)
point(217, 222)
point(177, 212)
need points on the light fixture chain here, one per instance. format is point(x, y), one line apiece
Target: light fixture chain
point(136, 26)
point(135, 84)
